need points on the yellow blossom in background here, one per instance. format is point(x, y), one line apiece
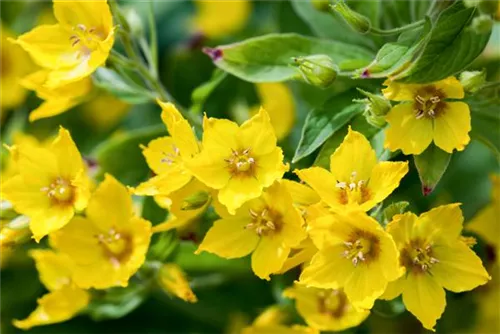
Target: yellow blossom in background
point(425, 115)
point(272, 321)
point(109, 245)
point(166, 156)
point(105, 111)
point(267, 227)
point(56, 100)
point(64, 300)
point(239, 161)
point(355, 180)
point(216, 19)
point(435, 258)
point(486, 223)
point(52, 183)
point(15, 63)
point(173, 280)
point(277, 100)
point(76, 46)
point(355, 254)
point(325, 309)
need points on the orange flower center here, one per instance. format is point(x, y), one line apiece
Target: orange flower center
point(418, 256)
point(60, 191)
point(361, 247)
point(429, 102)
point(265, 222)
point(116, 246)
point(241, 163)
point(85, 39)
point(332, 302)
point(354, 191)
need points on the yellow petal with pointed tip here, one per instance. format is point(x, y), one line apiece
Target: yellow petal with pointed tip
point(53, 269)
point(451, 129)
point(451, 87)
point(180, 130)
point(385, 177)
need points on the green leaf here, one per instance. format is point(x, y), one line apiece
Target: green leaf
point(122, 157)
point(321, 123)
point(202, 92)
point(485, 120)
point(389, 308)
point(452, 46)
point(327, 25)
point(123, 89)
point(431, 165)
point(394, 209)
point(268, 58)
point(162, 246)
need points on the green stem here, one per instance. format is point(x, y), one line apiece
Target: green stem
point(490, 84)
point(382, 32)
point(153, 39)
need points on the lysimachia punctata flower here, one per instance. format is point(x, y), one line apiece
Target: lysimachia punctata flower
point(166, 156)
point(56, 100)
point(76, 46)
point(486, 223)
point(268, 227)
point(355, 253)
point(355, 180)
point(217, 19)
point(52, 183)
point(109, 245)
point(271, 321)
point(435, 258)
point(64, 299)
point(239, 161)
point(425, 114)
point(325, 309)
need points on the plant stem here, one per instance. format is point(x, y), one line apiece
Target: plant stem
point(382, 32)
point(153, 40)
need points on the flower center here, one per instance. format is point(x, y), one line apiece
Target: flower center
point(170, 157)
point(60, 191)
point(354, 191)
point(117, 247)
point(418, 256)
point(241, 163)
point(361, 247)
point(332, 303)
point(265, 222)
point(86, 39)
point(428, 102)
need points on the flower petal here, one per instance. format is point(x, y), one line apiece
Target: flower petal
point(366, 284)
point(51, 108)
point(269, 256)
point(424, 298)
point(384, 179)
point(394, 289)
point(406, 132)
point(396, 91)
point(229, 238)
point(487, 225)
point(258, 134)
point(238, 191)
point(401, 228)
point(53, 268)
point(69, 159)
point(209, 169)
point(451, 129)
point(270, 167)
point(324, 183)
point(451, 87)
point(459, 268)
point(180, 130)
point(440, 225)
point(94, 14)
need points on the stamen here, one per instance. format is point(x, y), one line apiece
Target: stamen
point(435, 99)
point(341, 185)
point(419, 99)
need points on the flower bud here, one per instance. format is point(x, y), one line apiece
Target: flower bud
point(376, 107)
point(359, 22)
point(472, 81)
point(482, 24)
point(488, 7)
point(317, 70)
point(173, 280)
point(271, 316)
point(15, 233)
point(195, 201)
point(134, 21)
point(321, 5)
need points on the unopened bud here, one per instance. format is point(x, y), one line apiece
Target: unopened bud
point(488, 7)
point(11, 236)
point(321, 5)
point(358, 22)
point(134, 21)
point(195, 201)
point(271, 316)
point(173, 280)
point(482, 24)
point(317, 70)
point(472, 81)
point(376, 107)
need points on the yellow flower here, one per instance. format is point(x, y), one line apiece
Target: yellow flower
point(15, 63)
point(271, 321)
point(300, 254)
point(216, 19)
point(488, 298)
point(486, 223)
point(76, 46)
point(356, 180)
point(64, 300)
point(115, 111)
point(425, 116)
point(57, 100)
point(174, 281)
point(325, 309)
point(268, 226)
point(109, 245)
point(435, 259)
point(238, 161)
point(277, 100)
point(356, 254)
point(52, 183)
point(166, 156)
